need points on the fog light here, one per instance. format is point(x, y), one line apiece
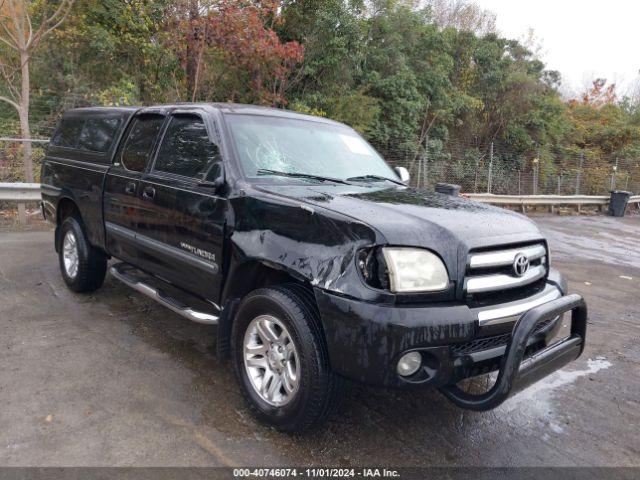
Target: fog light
point(409, 363)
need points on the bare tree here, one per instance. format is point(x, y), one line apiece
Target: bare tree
point(20, 35)
point(463, 15)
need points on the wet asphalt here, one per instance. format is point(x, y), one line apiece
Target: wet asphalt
point(112, 379)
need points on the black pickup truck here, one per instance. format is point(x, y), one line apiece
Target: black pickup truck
point(312, 256)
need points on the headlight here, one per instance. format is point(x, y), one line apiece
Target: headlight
point(415, 270)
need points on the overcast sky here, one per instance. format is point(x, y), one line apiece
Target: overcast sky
point(581, 39)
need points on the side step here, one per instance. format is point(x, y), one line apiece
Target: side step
point(142, 283)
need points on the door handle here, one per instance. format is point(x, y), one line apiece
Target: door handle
point(148, 193)
point(130, 188)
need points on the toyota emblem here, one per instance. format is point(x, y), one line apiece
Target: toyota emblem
point(520, 264)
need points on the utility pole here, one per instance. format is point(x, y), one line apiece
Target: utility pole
point(613, 175)
point(535, 175)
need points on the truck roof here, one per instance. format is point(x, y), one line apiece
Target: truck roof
point(105, 126)
point(268, 111)
point(100, 110)
point(232, 108)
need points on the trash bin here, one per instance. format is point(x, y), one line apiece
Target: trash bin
point(448, 189)
point(618, 202)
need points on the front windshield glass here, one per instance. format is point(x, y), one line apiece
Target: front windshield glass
point(292, 146)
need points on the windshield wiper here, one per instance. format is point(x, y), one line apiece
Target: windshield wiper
point(374, 177)
point(266, 171)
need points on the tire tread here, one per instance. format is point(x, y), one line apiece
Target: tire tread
point(92, 265)
point(326, 394)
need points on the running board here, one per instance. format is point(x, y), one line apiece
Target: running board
point(128, 275)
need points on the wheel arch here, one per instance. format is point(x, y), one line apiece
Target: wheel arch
point(65, 207)
point(244, 278)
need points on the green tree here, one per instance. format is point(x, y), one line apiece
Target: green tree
point(24, 26)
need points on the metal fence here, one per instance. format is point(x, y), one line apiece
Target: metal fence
point(23, 193)
point(493, 169)
point(497, 170)
point(12, 158)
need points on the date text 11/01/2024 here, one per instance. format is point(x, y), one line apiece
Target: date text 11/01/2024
point(315, 473)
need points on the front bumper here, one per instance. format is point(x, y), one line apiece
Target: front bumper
point(365, 340)
point(517, 372)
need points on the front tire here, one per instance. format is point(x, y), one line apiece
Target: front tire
point(281, 359)
point(83, 267)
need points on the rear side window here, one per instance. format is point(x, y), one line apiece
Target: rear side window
point(186, 149)
point(140, 141)
point(68, 133)
point(98, 133)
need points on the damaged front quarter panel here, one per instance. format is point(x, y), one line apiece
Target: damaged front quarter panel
point(313, 244)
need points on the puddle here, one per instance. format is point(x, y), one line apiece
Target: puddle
point(537, 398)
point(604, 240)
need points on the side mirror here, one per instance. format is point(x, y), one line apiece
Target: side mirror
point(403, 174)
point(214, 178)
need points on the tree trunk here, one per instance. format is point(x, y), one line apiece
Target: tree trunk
point(23, 114)
point(192, 54)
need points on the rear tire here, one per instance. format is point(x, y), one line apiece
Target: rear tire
point(293, 352)
point(83, 267)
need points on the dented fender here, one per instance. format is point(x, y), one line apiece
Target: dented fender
point(311, 244)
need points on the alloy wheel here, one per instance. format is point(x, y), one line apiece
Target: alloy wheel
point(271, 360)
point(70, 254)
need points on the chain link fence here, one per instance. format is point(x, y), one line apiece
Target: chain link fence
point(496, 169)
point(493, 169)
point(12, 159)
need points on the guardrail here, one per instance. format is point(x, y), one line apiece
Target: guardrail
point(30, 192)
point(551, 201)
point(23, 140)
point(21, 193)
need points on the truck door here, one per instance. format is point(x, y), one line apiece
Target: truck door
point(184, 217)
point(121, 204)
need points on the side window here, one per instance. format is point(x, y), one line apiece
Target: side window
point(68, 133)
point(97, 134)
point(142, 136)
point(186, 149)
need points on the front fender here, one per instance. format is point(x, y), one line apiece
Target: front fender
point(312, 244)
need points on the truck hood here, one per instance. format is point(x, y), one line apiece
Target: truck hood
point(412, 217)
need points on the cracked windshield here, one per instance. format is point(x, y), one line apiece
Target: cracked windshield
point(285, 147)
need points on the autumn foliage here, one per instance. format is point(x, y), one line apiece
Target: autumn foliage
point(410, 76)
point(598, 94)
point(233, 44)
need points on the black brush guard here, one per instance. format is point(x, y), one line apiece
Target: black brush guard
point(517, 372)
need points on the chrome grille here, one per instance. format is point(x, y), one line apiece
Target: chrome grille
point(486, 343)
point(493, 270)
